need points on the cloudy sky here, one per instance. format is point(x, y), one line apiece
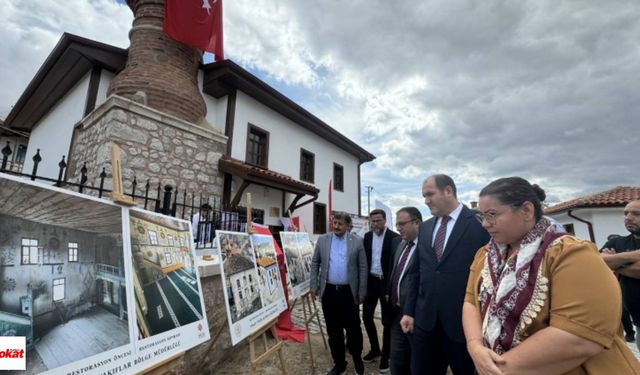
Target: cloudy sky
point(547, 90)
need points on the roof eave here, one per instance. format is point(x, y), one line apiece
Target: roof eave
point(222, 77)
point(67, 63)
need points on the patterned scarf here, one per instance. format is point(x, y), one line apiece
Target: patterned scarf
point(512, 290)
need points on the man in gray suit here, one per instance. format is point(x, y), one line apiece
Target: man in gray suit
point(408, 220)
point(339, 277)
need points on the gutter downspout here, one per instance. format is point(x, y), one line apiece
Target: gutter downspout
point(592, 237)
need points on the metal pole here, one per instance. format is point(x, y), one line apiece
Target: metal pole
point(369, 189)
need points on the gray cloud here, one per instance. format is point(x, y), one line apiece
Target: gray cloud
point(480, 90)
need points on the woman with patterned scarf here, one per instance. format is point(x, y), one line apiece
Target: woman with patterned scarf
point(539, 301)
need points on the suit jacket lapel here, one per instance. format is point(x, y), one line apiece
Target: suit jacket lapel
point(428, 238)
point(396, 257)
point(459, 228)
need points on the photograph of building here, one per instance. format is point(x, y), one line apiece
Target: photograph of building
point(268, 272)
point(239, 274)
point(165, 279)
point(298, 253)
point(62, 280)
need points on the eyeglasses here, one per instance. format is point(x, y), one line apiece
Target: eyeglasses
point(489, 217)
point(403, 223)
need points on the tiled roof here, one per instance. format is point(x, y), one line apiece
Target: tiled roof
point(236, 263)
point(265, 262)
point(265, 176)
point(616, 197)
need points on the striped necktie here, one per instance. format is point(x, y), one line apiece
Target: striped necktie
point(441, 235)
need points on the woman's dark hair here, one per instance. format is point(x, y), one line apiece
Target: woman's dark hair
point(514, 191)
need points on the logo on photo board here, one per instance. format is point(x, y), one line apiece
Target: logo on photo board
point(12, 353)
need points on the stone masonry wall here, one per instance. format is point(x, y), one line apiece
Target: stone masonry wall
point(153, 146)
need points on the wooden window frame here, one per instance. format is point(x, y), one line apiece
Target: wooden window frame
point(307, 153)
point(153, 239)
point(323, 225)
point(265, 155)
point(72, 255)
point(29, 247)
point(53, 288)
point(335, 180)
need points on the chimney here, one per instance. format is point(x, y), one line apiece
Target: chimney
point(160, 72)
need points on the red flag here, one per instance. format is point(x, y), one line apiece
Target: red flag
point(330, 207)
point(197, 23)
point(285, 327)
point(296, 223)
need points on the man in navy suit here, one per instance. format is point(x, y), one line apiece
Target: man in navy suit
point(379, 244)
point(447, 244)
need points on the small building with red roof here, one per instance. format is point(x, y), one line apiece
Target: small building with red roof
point(595, 216)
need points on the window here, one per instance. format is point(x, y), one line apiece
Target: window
point(257, 146)
point(307, 162)
point(338, 177)
point(569, 228)
point(45, 256)
point(319, 218)
point(170, 240)
point(58, 289)
point(29, 251)
point(167, 258)
point(153, 237)
point(20, 154)
point(181, 241)
point(73, 252)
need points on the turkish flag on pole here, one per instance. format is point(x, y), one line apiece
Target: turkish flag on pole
point(197, 23)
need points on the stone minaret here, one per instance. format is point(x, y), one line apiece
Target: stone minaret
point(160, 72)
point(155, 113)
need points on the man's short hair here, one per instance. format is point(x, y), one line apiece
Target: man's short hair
point(413, 213)
point(442, 181)
point(342, 216)
point(378, 211)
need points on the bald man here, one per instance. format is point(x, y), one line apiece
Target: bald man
point(622, 255)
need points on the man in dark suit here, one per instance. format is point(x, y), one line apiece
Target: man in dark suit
point(339, 277)
point(408, 220)
point(447, 244)
point(378, 245)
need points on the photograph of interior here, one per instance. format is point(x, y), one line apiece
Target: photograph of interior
point(62, 280)
point(165, 279)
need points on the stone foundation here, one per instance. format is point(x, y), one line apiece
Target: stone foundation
point(154, 146)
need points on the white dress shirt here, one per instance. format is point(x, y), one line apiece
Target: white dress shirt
point(453, 217)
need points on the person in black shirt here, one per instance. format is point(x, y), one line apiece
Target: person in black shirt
point(622, 255)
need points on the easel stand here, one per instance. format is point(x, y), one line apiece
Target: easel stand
point(213, 341)
point(310, 312)
point(268, 351)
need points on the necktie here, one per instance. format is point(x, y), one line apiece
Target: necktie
point(438, 244)
point(396, 275)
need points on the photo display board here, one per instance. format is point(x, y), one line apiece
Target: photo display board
point(253, 290)
point(94, 287)
point(298, 252)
